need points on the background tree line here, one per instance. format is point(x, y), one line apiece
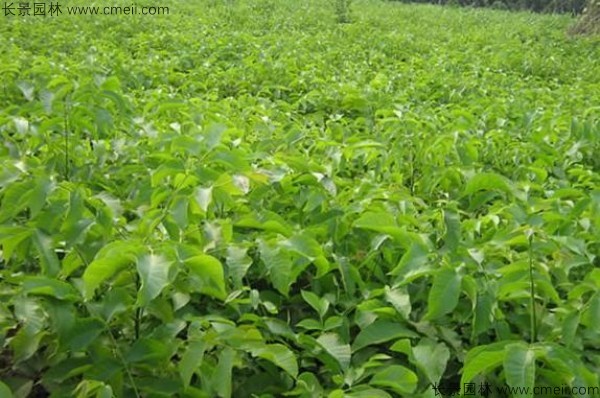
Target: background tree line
point(552, 6)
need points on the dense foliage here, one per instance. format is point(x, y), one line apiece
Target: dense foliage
point(553, 6)
point(250, 199)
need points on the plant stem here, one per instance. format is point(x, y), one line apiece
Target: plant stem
point(138, 311)
point(138, 320)
point(412, 171)
point(127, 370)
point(532, 292)
point(66, 136)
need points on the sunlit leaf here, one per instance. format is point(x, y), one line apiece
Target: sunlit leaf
point(280, 355)
point(519, 367)
point(109, 260)
point(154, 274)
point(396, 378)
point(338, 350)
point(208, 271)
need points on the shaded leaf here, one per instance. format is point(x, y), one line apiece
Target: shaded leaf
point(48, 259)
point(431, 358)
point(149, 350)
point(453, 232)
point(483, 359)
point(444, 293)
point(83, 333)
point(191, 360)
point(380, 332)
point(223, 373)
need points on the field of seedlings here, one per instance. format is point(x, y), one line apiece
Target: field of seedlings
point(246, 198)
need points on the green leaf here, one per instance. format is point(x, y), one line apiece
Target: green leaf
point(154, 273)
point(482, 319)
point(213, 134)
point(114, 301)
point(208, 272)
point(74, 224)
point(384, 223)
point(519, 367)
point(453, 233)
point(280, 355)
point(444, 293)
point(43, 286)
point(400, 299)
point(396, 378)
point(179, 211)
point(488, 182)
point(569, 328)
point(238, 263)
point(223, 373)
point(191, 360)
point(483, 359)
point(149, 350)
point(431, 358)
point(204, 197)
point(25, 343)
point(93, 388)
point(105, 391)
point(403, 346)
point(368, 393)
point(5, 392)
point(591, 315)
point(309, 383)
point(304, 245)
point(321, 305)
point(568, 364)
point(11, 237)
point(14, 199)
point(268, 221)
point(380, 332)
point(68, 368)
point(48, 259)
point(310, 324)
point(412, 264)
point(83, 333)
point(109, 260)
point(339, 351)
point(29, 313)
point(279, 264)
point(62, 315)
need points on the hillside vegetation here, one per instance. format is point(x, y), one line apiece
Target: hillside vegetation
point(248, 199)
point(551, 6)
